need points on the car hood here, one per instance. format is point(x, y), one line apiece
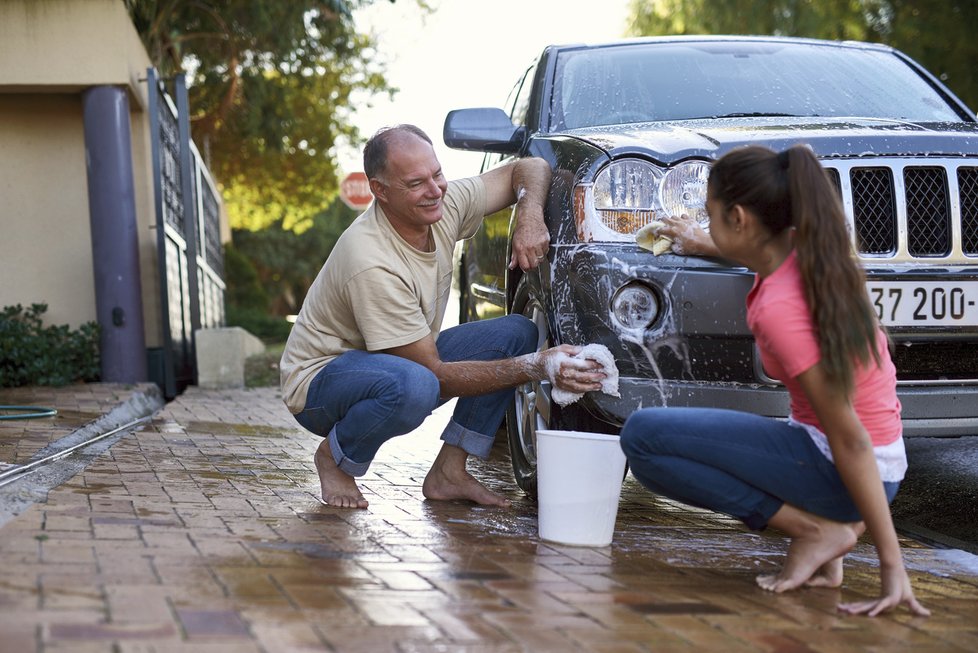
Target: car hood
point(669, 142)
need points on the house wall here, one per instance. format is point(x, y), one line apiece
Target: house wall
point(47, 252)
point(50, 52)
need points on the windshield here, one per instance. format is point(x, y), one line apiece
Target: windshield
point(684, 81)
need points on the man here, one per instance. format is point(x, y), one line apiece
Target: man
point(365, 361)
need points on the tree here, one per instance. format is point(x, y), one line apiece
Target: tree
point(937, 33)
point(284, 262)
point(270, 84)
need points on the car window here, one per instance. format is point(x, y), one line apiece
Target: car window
point(684, 81)
point(521, 102)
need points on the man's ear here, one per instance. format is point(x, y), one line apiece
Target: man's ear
point(379, 189)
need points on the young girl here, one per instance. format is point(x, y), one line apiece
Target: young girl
point(829, 471)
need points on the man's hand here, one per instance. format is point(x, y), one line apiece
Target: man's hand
point(531, 238)
point(575, 375)
point(526, 182)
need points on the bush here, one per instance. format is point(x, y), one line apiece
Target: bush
point(32, 354)
point(270, 328)
point(244, 289)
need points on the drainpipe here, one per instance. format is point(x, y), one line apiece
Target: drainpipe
point(115, 239)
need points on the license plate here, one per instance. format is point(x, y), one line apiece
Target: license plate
point(925, 303)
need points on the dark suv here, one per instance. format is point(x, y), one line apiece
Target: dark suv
point(630, 129)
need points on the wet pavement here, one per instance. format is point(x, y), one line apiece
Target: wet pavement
point(938, 501)
point(200, 531)
point(78, 405)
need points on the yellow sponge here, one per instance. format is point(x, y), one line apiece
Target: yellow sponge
point(646, 238)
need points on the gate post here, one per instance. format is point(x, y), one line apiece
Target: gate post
point(191, 219)
point(115, 239)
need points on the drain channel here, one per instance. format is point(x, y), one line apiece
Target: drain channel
point(16, 473)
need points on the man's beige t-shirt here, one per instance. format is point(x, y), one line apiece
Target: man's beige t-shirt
point(376, 291)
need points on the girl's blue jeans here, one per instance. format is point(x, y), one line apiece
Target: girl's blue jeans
point(744, 465)
point(360, 400)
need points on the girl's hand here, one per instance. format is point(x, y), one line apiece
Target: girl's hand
point(688, 237)
point(895, 590)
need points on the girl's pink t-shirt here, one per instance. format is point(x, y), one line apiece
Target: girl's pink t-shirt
point(779, 317)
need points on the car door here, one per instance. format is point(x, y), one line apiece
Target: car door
point(485, 256)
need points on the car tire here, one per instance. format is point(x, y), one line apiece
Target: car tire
point(532, 408)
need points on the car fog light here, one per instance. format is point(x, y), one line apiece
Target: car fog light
point(634, 306)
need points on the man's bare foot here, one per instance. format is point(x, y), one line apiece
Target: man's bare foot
point(815, 553)
point(339, 490)
point(448, 479)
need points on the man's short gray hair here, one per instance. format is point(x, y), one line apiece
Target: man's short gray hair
point(376, 150)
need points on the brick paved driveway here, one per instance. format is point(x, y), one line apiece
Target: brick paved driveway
point(201, 533)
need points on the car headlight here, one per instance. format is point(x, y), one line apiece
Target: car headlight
point(630, 193)
point(634, 306)
point(684, 191)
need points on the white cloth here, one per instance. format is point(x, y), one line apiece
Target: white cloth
point(891, 459)
point(609, 385)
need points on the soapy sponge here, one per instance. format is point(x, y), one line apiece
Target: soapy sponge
point(647, 239)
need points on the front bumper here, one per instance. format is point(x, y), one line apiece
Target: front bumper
point(928, 410)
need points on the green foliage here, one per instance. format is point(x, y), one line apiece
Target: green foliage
point(247, 301)
point(284, 262)
point(244, 289)
point(937, 33)
point(270, 85)
point(261, 324)
point(32, 354)
point(269, 270)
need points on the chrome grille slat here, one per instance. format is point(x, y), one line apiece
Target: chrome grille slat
point(968, 192)
point(905, 212)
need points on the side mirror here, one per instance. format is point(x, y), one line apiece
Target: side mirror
point(482, 130)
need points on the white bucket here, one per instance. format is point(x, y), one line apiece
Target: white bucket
point(579, 478)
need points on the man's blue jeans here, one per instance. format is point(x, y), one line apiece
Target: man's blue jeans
point(744, 465)
point(361, 400)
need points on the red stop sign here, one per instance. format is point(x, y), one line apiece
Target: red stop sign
point(355, 191)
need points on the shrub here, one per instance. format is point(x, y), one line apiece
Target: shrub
point(244, 289)
point(32, 354)
point(270, 328)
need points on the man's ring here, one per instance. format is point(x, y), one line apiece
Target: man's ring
point(541, 257)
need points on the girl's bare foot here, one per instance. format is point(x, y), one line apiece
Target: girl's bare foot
point(815, 553)
point(339, 490)
point(448, 479)
point(828, 575)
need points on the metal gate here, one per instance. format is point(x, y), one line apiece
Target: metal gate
point(188, 237)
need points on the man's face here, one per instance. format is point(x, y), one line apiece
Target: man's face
point(413, 185)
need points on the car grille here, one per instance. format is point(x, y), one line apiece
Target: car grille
point(930, 361)
point(911, 212)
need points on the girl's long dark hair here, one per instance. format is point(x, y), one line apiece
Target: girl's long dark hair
point(791, 189)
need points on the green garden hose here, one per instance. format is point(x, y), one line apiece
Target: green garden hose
point(27, 412)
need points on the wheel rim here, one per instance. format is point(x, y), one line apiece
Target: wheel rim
point(533, 399)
